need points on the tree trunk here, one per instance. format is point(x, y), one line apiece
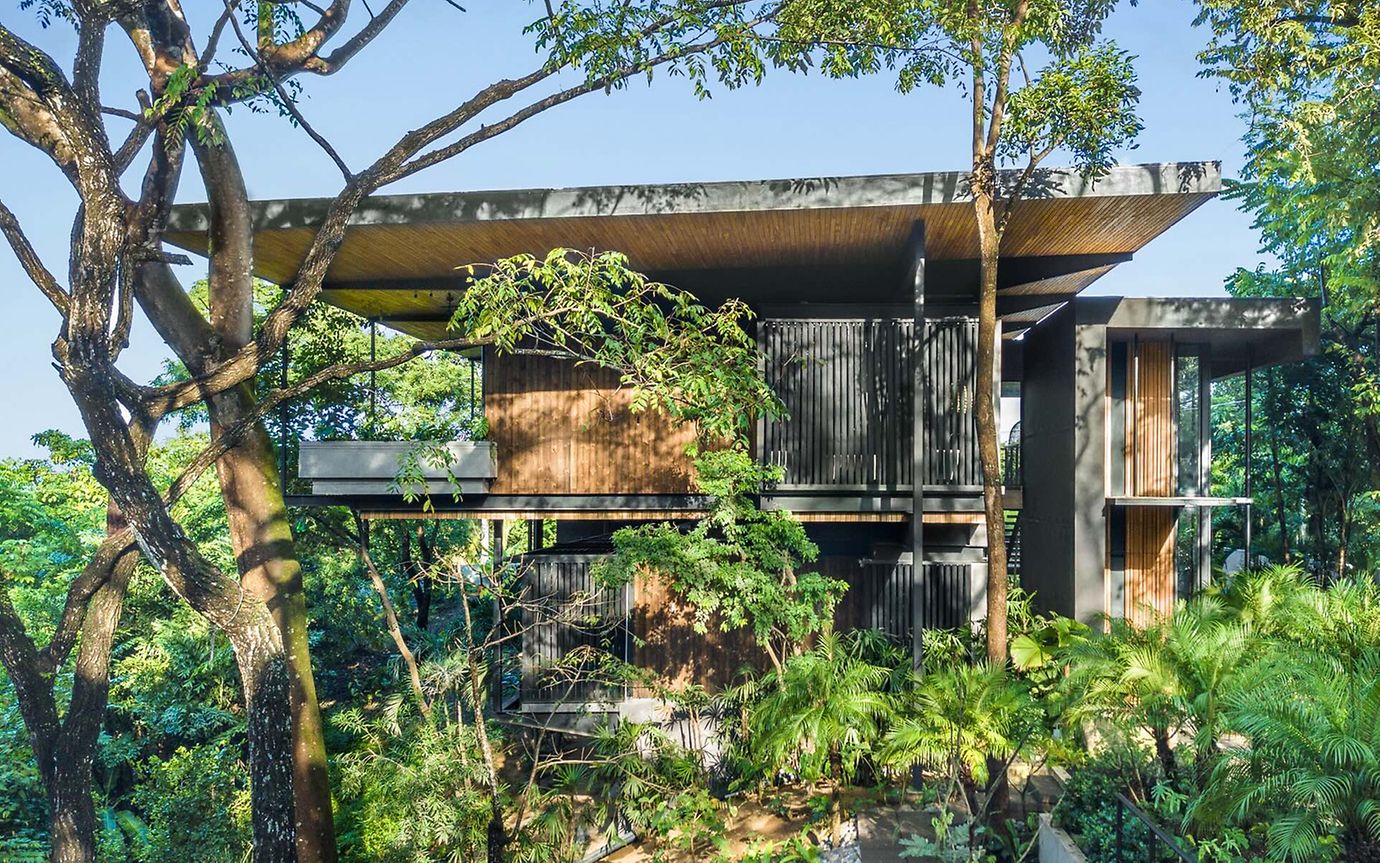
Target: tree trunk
point(72, 815)
point(1343, 532)
point(66, 750)
point(1165, 753)
point(984, 190)
point(262, 539)
point(253, 636)
point(989, 244)
point(260, 532)
point(422, 584)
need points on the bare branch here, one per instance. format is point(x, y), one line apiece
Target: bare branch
point(217, 29)
point(1018, 188)
point(92, 577)
point(122, 113)
point(391, 617)
point(33, 266)
point(138, 136)
point(285, 99)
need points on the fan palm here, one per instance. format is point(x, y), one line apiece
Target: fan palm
point(1167, 678)
point(825, 715)
point(958, 717)
point(1311, 766)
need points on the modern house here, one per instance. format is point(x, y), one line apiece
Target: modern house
point(865, 290)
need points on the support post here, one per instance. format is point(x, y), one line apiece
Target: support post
point(1204, 466)
point(1247, 529)
point(283, 418)
point(915, 277)
point(496, 567)
point(373, 376)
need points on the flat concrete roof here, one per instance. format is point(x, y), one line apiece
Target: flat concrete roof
point(401, 253)
point(1259, 331)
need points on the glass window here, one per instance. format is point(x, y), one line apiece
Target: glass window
point(1188, 373)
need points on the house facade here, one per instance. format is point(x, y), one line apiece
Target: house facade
point(865, 293)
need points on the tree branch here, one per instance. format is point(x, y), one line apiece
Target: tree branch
point(39, 274)
point(393, 165)
point(92, 577)
point(286, 100)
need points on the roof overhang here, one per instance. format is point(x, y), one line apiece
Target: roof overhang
point(1241, 332)
point(401, 255)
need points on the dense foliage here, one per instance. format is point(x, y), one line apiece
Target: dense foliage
point(1247, 720)
point(1260, 697)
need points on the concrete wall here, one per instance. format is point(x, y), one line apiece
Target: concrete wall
point(1047, 456)
point(1089, 471)
point(1055, 846)
point(1063, 456)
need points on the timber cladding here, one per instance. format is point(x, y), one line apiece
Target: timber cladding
point(566, 428)
point(1150, 437)
point(571, 619)
point(667, 644)
point(1150, 472)
point(1150, 535)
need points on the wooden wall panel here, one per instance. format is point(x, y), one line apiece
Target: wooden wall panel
point(563, 428)
point(1150, 438)
point(665, 642)
point(1150, 577)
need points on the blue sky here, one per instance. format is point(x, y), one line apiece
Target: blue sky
point(791, 126)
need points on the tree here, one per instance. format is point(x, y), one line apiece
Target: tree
point(116, 263)
point(1310, 769)
point(1080, 102)
point(39, 548)
point(825, 711)
point(1304, 73)
point(738, 568)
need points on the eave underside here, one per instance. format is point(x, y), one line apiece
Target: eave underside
point(823, 240)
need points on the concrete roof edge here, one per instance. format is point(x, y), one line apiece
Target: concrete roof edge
point(1300, 313)
point(1169, 178)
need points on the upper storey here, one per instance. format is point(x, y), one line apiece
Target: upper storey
point(818, 240)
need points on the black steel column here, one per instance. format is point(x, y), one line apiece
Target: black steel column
point(283, 417)
point(915, 276)
point(373, 375)
point(1204, 574)
point(1248, 564)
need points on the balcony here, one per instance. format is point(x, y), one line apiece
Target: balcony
point(847, 386)
point(394, 468)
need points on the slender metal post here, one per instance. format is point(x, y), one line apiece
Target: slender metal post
point(1250, 418)
point(1120, 825)
point(916, 274)
point(1135, 419)
point(373, 375)
point(1204, 465)
point(283, 420)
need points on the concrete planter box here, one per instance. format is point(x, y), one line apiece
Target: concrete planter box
point(1056, 846)
point(364, 467)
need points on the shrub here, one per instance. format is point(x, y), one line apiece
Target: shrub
point(1088, 807)
point(196, 806)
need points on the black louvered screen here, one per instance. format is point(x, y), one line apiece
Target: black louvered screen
point(846, 385)
point(884, 595)
point(567, 623)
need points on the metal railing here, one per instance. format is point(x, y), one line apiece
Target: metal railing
point(1160, 846)
point(1011, 465)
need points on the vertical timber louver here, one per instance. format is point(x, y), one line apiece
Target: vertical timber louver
point(845, 385)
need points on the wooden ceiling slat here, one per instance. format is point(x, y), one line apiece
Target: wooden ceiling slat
point(845, 223)
point(823, 237)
